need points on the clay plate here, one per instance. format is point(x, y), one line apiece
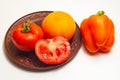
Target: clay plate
point(29, 61)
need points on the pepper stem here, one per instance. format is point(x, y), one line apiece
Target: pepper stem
point(26, 27)
point(99, 13)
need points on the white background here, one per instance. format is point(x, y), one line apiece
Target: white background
point(83, 66)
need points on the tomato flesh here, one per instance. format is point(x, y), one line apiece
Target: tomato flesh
point(53, 51)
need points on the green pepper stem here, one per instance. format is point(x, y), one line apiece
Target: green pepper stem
point(26, 27)
point(99, 13)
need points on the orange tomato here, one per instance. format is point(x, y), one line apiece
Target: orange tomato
point(59, 23)
point(97, 32)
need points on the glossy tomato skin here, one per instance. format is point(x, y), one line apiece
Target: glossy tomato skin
point(53, 51)
point(25, 41)
point(98, 33)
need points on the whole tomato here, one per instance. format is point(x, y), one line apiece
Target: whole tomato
point(25, 35)
point(97, 32)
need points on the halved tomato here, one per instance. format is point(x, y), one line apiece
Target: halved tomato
point(53, 51)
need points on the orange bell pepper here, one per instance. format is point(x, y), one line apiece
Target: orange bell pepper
point(98, 33)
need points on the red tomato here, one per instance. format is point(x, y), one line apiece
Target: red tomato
point(53, 51)
point(25, 36)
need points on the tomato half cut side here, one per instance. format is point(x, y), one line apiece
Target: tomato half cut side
point(53, 51)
